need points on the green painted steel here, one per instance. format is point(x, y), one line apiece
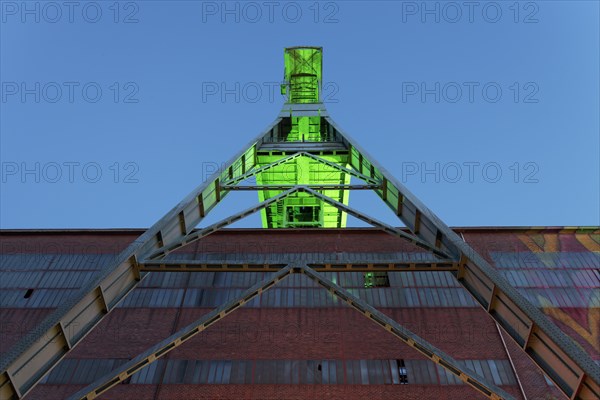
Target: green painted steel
point(302, 85)
point(302, 74)
point(376, 279)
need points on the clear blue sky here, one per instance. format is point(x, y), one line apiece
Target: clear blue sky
point(417, 85)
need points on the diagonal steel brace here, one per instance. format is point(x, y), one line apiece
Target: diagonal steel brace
point(120, 374)
point(416, 342)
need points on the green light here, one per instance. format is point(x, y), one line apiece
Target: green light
point(302, 74)
point(302, 85)
point(376, 279)
point(369, 279)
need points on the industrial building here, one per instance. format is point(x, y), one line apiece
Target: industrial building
point(296, 341)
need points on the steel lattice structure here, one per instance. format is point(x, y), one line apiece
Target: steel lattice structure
point(302, 165)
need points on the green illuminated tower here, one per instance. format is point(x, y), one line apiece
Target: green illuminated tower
point(303, 127)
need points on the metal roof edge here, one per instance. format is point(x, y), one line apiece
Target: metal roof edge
point(463, 229)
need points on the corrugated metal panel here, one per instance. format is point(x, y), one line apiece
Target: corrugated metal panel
point(70, 262)
point(167, 279)
point(352, 372)
point(40, 298)
point(573, 278)
point(175, 371)
point(65, 279)
point(559, 297)
point(447, 377)
point(12, 298)
point(19, 262)
point(63, 372)
point(421, 372)
point(21, 279)
point(151, 374)
point(159, 298)
point(562, 260)
point(274, 298)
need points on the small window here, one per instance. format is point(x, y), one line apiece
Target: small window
point(402, 372)
point(376, 279)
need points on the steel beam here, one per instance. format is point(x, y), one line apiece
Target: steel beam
point(341, 168)
point(264, 168)
point(313, 187)
point(162, 348)
point(326, 265)
point(416, 342)
point(564, 361)
point(301, 146)
point(284, 160)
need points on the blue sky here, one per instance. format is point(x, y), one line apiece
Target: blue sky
point(489, 112)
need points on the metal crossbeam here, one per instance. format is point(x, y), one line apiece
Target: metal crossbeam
point(292, 157)
point(268, 147)
point(421, 345)
point(326, 265)
point(341, 168)
point(313, 187)
point(162, 348)
point(264, 168)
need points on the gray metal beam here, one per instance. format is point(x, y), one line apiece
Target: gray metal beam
point(255, 171)
point(416, 342)
point(162, 348)
point(341, 168)
point(300, 154)
point(301, 146)
point(325, 265)
point(313, 187)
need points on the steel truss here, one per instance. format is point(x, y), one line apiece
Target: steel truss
point(155, 352)
point(571, 369)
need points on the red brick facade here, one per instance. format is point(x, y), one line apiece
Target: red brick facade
point(466, 333)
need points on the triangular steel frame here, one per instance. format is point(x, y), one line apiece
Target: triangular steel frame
point(201, 233)
point(162, 348)
point(560, 358)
